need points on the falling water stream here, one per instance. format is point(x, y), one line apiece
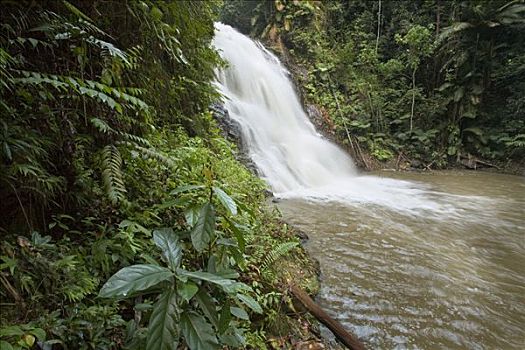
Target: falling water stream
point(409, 261)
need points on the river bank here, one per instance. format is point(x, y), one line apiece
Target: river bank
point(291, 324)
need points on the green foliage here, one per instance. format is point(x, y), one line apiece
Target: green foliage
point(226, 200)
point(105, 133)
point(174, 305)
point(419, 43)
point(203, 231)
point(277, 252)
point(20, 337)
point(198, 333)
point(163, 328)
point(133, 279)
point(112, 175)
point(170, 247)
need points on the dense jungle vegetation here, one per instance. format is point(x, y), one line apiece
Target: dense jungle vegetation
point(427, 82)
point(127, 221)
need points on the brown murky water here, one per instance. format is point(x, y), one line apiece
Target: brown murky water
point(452, 278)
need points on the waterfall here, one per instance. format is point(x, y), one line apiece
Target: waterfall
point(282, 141)
point(292, 157)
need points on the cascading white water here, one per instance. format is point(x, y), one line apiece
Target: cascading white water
point(283, 143)
point(293, 158)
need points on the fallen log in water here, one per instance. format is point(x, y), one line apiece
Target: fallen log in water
point(341, 334)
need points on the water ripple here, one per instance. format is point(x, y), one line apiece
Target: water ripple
point(417, 280)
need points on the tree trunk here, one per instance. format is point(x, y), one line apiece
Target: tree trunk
point(341, 334)
point(378, 25)
point(413, 97)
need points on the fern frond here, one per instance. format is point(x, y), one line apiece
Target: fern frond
point(135, 138)
point(102, 126)
point(108, 49)
point(112, 175)
point(83, 285)
point(6, 79)
point(276, 253)
point(152, 153)
point(61, 28)
point(94, 89)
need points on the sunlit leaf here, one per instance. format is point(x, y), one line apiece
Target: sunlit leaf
point(188, 290)
point(250, 302)
point(239, 312)
point(228, 285)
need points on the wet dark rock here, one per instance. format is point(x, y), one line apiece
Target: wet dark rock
point(314, 114)
point(302, 235)
point(268, 194)
point(231, 130)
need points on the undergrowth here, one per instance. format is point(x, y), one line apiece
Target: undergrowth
point(127, 221)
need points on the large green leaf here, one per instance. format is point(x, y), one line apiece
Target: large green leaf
point(239, 235)
point(226, 200)
point(5, 345)
point(228, 285)
point(250, 302)
point(173, 203)
point(187, 290)
point(163, 328)
point(224, 318)
point(133, 279)
point(203, 231)
point(198, 333)
point(239, 312)
point(233, 338)
point(227, 273)
point(475, 131)
point(191, 214)
point(207, 305)
point(458, 94)
point(168, 242)
point(10, 331)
